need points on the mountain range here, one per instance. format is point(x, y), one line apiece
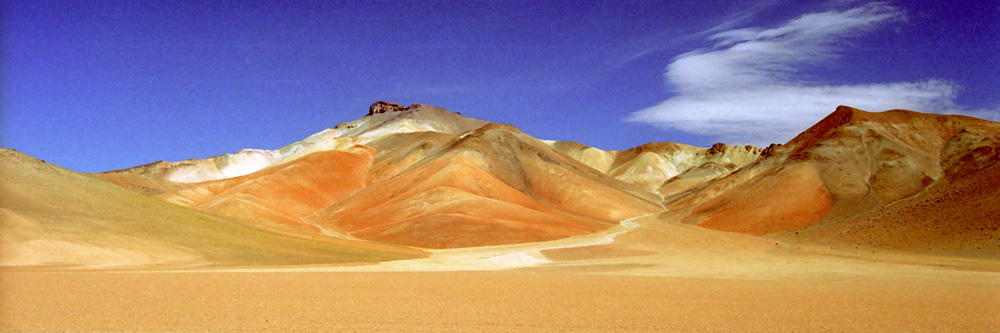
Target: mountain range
point(403, 182)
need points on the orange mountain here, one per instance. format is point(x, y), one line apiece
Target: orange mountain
point(421, 176)
point(54, 216)
point(493, 185)
point(862, 178)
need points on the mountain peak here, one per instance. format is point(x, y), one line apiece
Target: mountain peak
point(895, 123)
point(383, 107)
point(840, 117)
point(387, 107)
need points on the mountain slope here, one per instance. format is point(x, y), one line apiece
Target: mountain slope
point(309, 175)
point(494, 185)
point(384, 118)
point(427, 177)
point(279, 195)
point(600, 160)
point(652, 165)
point(53, 215)
point(416, 181)
point(959, 214)
point(287, 192)
point(849, 164)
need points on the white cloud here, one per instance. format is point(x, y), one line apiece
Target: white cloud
point(747, 88)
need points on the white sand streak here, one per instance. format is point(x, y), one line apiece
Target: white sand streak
point(506, 256)
point(484, 258)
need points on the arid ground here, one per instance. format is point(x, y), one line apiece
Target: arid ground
point(419, 219)
point(610, 281)
point(492, 301)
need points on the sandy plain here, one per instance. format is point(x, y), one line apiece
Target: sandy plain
point(486, 301)
point(640, 276)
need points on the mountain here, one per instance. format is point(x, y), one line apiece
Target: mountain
point(383, 118)
point(418, 176)
point(55, 216)
point(651, 166)
point(401, 178)
point(311, 174)
point(859, 178)
point(494, 185)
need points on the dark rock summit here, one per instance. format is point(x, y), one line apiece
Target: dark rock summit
point(386, 107)
point(383, 107)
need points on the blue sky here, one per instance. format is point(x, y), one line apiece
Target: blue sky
point(96, 86)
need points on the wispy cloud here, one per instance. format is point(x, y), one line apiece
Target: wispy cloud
point(740, 17)
point(666, 40)
point(748, 87)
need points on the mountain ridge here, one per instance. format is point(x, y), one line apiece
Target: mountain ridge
point(493, 156)
point(849, 164)
point(383, 118)
point(425, 177)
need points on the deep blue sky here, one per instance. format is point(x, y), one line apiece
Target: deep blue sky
point(101, 85)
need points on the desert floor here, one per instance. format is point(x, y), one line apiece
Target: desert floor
point(639, 276)
point(523, 300)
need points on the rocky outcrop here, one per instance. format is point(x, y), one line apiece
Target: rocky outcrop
point(722, 148)
point(770, 150)
point(387, 107)
point(970, 152)
point(717, 148)
point(383, 107)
